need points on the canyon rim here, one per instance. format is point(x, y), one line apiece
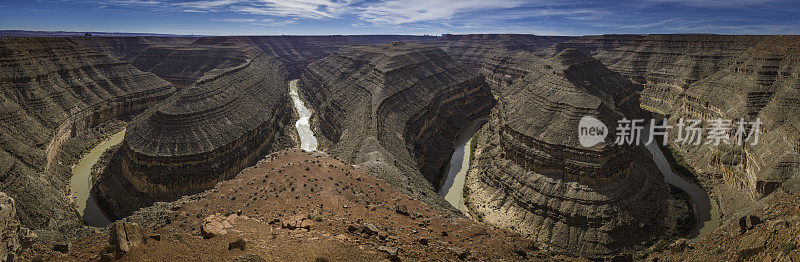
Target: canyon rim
point(399, 130)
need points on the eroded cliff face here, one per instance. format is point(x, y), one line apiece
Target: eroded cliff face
point(531, 175)
point(185, 64)
point(205, 134)
point(127, 48)
point(183, 60)
point(502, 59)
point(761, 83)
point(595, 44)
point(297, 52)
point(52, 90)
point(394, 110)
point(728, 77)
point(473, 49)
point(668, 64)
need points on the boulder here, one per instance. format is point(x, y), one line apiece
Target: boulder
point(401, 209)
point(238, 244)
point(212, 229)
point(751, 245)
point(124, 236)
point(748, 222)
point(61, 247)
point(216, 225)
point(391, 252)
point(297, 222)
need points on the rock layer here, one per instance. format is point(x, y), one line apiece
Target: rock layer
point(532, 175)
point(53, 89)
point(761, 83)
point(394, 110)
point(727, 77)
point(127, 48)
point(208, 132)
point(182, 63)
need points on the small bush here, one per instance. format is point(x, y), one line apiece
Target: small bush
point(786, 248)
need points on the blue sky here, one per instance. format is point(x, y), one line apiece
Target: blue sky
point(324, 17)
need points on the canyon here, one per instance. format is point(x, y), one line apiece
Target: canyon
point(532, 175)
point(209, 123)
point(391, 109)
point(54, 94)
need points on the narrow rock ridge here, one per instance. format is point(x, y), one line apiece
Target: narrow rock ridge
point(394, 111)
point(52, 90)
point(531, 175)
point(209, 132)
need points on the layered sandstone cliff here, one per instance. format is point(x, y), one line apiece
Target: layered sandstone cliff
point(668, 64)
point(296, 52)
point(501, 58)
point(761, 83)
point(128, 47)
point(711, 77)
point(185, 64)
point(205, 134)
point(473, 49)
point(394, 110)
point(175, 60)
point(595, 44)
point(52, 90)
point(532, 175)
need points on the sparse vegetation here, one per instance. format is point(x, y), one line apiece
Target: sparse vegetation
point(787, 248)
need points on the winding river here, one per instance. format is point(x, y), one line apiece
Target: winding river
point(80, 183)
point(307, 140)
point(453, 187)
point(707, 214)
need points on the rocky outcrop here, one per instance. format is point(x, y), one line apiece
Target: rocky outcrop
point(269, 208)
point(533, 176)
point(205, 134)
point(123, 236)
point(394, 110)
point(52, 90)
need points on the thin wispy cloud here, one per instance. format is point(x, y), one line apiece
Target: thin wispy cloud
point(434, 16)
point(412, 11)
